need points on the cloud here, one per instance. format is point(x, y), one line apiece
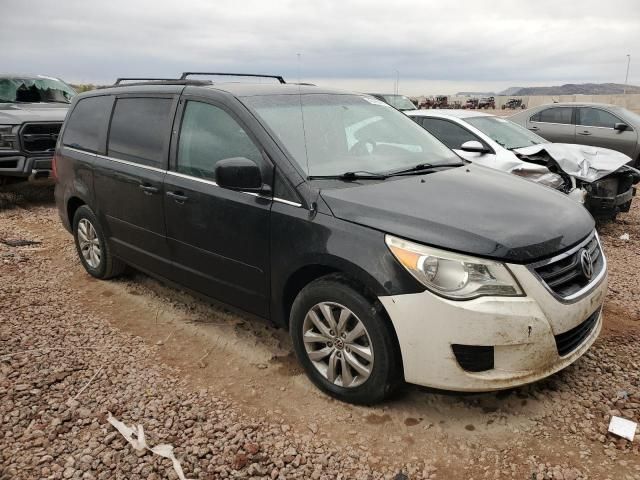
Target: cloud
point(506, 42)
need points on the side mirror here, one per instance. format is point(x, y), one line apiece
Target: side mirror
point(239, 173)
point(621, 127)
point(474, 146)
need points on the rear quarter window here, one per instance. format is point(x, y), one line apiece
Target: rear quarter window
point(140, 130)
point(87, 125)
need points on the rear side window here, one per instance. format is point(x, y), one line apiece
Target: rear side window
point(452, 135)
point(140, 130)
point(554, 115)
point(208, 135)
point(594, 117)
point(87, 124)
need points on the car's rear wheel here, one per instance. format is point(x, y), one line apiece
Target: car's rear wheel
point(93, 249)
point(344, 342)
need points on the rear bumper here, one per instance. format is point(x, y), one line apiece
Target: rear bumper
point(523, 334)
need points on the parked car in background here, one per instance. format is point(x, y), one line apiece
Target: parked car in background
point(513, 104)
point(594, 124)
point(596, 176)
point(387, 256)
point(400, 102)
point(32, 109)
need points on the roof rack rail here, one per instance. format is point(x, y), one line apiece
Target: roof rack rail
point(141, 79)
point(187, 74)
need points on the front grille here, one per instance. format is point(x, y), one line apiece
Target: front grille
point(565, 274)
point(39, 137)
point(473, 358)
point(567, 342)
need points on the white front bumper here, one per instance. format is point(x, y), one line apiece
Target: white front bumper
point(521, 330)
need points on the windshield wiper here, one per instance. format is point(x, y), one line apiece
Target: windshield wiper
point(358, 175)
point(421, 167)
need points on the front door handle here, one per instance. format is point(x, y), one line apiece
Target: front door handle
point(178, 197)
point(584, 133)
point(534, 128)
point(148, 189)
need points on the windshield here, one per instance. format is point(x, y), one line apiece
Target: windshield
point(347, 133)
point(35, 90)
point(633, 116)
point(399, 101)
point(506, 133)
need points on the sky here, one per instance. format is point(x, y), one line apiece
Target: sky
point(431, 46)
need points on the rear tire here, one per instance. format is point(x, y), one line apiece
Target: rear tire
point(360, 351)
point(92, 246)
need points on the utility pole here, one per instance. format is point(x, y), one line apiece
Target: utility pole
point(626, 77)
point(397, 82)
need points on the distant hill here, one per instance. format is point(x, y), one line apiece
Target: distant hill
point(573, 89)
point(510, 91)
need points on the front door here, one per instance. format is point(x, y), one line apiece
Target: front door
point(595, 127)
point(554, 124)
point(128, 180)
point(218, 238)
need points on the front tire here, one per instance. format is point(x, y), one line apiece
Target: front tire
point(92, 247)
point(345, 342)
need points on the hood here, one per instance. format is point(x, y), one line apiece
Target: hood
point(470, 209)
point(580, 161)
point(16, 113)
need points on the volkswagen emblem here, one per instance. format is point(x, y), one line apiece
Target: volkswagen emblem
point(586, 262)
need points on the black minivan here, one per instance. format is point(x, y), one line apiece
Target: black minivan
point(334, 215)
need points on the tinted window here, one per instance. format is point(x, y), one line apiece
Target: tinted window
point(140, 130)
point(209, 134)
point(452, 135)
point(87, 125)
point(594, 117)
point(554, 115)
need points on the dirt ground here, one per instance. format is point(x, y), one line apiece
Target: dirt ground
point(167, 347)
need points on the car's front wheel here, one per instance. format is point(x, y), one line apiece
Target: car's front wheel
point(344, 342)
point(92, 247)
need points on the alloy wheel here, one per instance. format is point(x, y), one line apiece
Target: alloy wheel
point(338, 344)
point(89, 243)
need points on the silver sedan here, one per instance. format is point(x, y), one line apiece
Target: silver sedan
point(595, 124)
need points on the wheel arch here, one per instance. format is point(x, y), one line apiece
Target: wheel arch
point(73, 203)
point(300, 277)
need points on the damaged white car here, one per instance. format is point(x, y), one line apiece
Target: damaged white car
point(598, 177)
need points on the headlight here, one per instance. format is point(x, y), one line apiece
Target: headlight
point(7, 137)
point(452, 275)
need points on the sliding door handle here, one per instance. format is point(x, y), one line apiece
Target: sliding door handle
point(178, 197)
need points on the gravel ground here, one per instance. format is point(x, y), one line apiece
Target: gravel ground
point(223, 390)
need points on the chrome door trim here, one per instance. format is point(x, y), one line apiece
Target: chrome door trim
point(214, 184)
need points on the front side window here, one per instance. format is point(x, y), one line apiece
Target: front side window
point(449, 133)
point(505, 133)
point(140, 130)
point(594, 117)
point(209, 134)
point(554, 115)
point(330, 134)
point(87, 124)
